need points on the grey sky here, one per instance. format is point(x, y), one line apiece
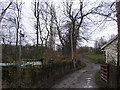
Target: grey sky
point(110, 28)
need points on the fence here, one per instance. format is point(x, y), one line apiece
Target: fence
point(109, 74)
point(38, 77)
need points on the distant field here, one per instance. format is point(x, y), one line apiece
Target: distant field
point(96, 58)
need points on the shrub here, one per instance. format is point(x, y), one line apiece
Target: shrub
point(40, 77)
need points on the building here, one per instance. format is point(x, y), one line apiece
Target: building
point(110, 51)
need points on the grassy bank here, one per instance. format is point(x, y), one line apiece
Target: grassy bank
point(96, 58)
point(100, 82)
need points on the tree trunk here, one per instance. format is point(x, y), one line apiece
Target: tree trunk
point(118, 18)
point(37, 32)
point(36, 14)
point(118, 63)
point(17, 37)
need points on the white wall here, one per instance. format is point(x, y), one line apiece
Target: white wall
point(111, 52)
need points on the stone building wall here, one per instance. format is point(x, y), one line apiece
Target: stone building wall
point(111, 52)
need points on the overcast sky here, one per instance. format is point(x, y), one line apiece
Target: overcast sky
point(110, 28)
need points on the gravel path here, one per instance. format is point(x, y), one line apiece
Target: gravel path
point(84, 78)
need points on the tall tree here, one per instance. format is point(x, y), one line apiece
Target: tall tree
point(45, 19)
point(52, 30)
point(18, 13)
point(48, 18)
point(98, 44)
point(4, 11)
point(36, 15)
point(75, 22)
point(118, 21)
point(11, 22)
point(76, 19)
point(43, 12)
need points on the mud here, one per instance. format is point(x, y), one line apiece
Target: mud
point(84, 78)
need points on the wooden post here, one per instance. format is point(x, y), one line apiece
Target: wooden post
point(72, 51)
point(71, 37)
point(118, 21)
point(0, 60)
point(19, 63)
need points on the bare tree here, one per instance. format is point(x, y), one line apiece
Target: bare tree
point(73, 24)
point(76, 21)
point(45, 23)
point(78, 18)
point(36, 15)
point(47, 14)
point(74, 16)
point(43, 12)
point(14, 18)
point(51, 40)
point(18, 19)
point(12, 22)
point(4, 11)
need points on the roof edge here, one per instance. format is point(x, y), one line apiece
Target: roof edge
point(109, 42)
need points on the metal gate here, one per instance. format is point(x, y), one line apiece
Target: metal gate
point(105, 72)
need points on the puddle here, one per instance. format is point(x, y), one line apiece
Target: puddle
point(91, 75)
point(88, 78)
point(88, 86)
point(84, 71)
point(88, 83)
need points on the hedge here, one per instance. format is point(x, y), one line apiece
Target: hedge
point(38, 77)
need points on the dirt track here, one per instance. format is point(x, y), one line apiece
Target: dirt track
point(84, 78)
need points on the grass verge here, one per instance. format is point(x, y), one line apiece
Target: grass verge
point(96, 58)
